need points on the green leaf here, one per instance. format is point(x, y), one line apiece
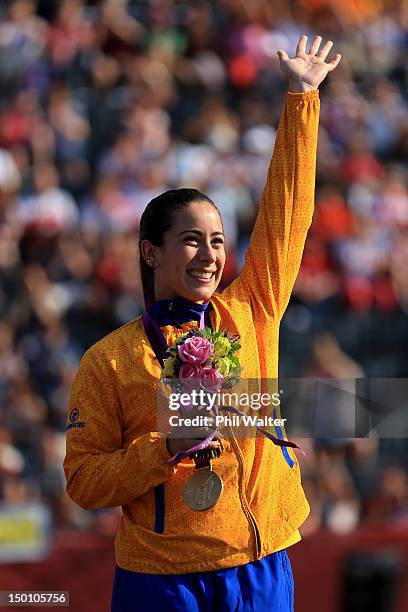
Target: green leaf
point(234, 361)
point(235, 346)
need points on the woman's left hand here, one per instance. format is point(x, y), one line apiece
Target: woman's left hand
point(307, 70)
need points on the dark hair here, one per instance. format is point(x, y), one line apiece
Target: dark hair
point(156, 220)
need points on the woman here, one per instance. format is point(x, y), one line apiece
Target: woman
point(232, 556)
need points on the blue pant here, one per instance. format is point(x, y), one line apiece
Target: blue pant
point(261, 586)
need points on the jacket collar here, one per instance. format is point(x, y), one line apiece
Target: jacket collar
point(176, 311)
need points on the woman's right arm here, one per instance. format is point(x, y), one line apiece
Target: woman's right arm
point(275, 251)
point(101, 473)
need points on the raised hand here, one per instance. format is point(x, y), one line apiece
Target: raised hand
point(307, 70)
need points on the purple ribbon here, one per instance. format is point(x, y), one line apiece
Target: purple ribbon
point(159, 346)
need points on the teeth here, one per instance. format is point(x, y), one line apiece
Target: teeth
point(204, 275)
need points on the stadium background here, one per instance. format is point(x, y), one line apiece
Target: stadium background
point(104, 105)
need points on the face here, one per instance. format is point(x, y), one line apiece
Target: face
point(192, 258)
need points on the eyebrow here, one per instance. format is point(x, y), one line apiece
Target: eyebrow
point(199, 232)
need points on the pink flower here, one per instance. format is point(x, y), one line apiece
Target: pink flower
point(211, 379)
point(189, 374)
point(195, 350)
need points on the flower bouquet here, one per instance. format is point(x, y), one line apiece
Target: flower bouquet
point(203, 358)
point(206, 360)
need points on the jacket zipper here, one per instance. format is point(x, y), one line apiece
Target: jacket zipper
point(247, 511)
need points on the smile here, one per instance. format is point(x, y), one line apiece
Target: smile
point(203, 277)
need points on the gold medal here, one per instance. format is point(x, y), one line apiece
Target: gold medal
point(203, 489)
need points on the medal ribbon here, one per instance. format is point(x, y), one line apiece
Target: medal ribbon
point(159, 346)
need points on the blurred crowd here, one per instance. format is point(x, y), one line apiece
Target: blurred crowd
point(104, 105)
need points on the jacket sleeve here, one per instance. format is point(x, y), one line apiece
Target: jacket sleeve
point(100, 472)
point(285, 214)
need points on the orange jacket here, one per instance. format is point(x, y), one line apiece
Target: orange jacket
point(114, 455)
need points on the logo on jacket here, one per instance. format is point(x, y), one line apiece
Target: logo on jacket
point(74, 415)
point(73, 418)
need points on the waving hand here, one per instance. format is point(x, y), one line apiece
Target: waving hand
point(308, 69)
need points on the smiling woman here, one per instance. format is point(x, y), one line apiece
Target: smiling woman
point(181, 246)
point(192, 538)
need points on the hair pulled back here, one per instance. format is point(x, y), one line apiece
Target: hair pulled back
point(156, 220)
